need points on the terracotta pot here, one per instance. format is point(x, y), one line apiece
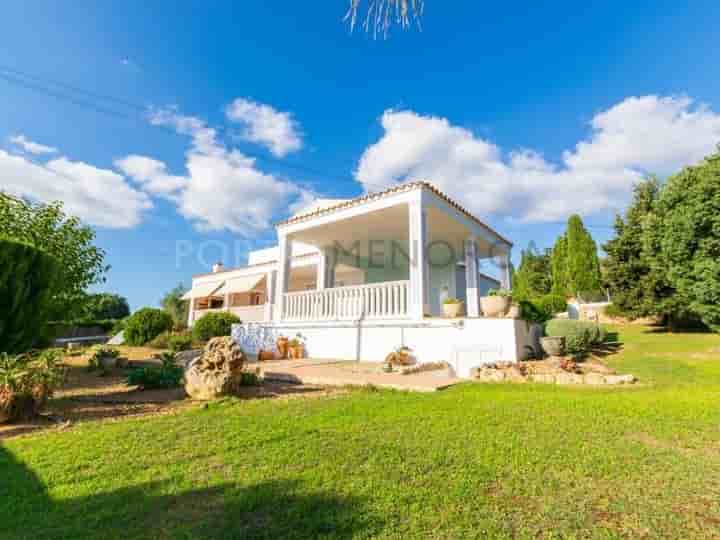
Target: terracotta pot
point(283, 344)
point(452, 310)
point(553, 346)
point(297, 352)
point(264, 356)
point(495, 306)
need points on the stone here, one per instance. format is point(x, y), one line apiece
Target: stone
point(217, 371)
point(568, 378)
point(184, 358)
point(593, 366)
point(491, 375)
point(515, 375)
point(594, 378)
point(620, 379)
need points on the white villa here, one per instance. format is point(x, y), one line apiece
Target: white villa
point(358, 278)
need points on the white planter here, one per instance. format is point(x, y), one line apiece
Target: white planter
point(452, 310)
point(495, 306)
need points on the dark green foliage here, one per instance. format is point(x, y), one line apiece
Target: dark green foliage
point(684, 236)
point(574, 262)
point(214, 324)
point(174, 304)
point(552, 304)
point(615, 311)
point(145, 325)
point(531, 312)
point(167, 375)
point(533, 277)
point(160, 341)
point(28, 277)
point(79, 263)
point(180, 342)
point(106, 306)
point(580, 336)
point(542, 309)
point(634, 287)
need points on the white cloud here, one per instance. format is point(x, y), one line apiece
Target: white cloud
point(276, 130)
point(29, 146)
point(639, 135)
point(152, 175)
point(97, 196)
point(223, 188)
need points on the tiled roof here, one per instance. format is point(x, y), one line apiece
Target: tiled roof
point(400, 188)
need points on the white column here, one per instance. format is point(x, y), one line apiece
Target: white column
point(283, 274)
point(419, 269)
point(191, 312)
point(325, 270)
point(506, 279)
point(471, 277)
point(270, 279)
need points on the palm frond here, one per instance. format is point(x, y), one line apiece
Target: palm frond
point(382, 14)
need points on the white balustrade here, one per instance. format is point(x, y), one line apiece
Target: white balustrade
point(386, 300)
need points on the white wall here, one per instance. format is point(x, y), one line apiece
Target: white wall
point(466, 344)
point(270, 254)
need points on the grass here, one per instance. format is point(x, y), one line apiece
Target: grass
point(472, 461)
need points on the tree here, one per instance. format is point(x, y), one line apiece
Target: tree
point(381, 14)
point(628, 274)
point(106, 306)
point(533, 277)
point(27, 280)
point(174, 304)
point(80, 263)
point(683, 239)
point(558, 267)
point(583, 266)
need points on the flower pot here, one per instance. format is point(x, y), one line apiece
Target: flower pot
point(514, 312)
point(452, 310)
point(495, 306)
point(108, 362)
point(553, 346)
point(283, 344)
point(264, 356)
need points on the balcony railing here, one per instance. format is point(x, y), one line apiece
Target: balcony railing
point(386, 300)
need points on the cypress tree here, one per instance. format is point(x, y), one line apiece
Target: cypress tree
point(558, 267)
point(583, 266)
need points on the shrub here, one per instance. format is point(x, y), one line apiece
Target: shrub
point(27, 279)
point(216, 324)
point(615, 312)
point(160, 342)
point(552, 304)
point(167, 375)
point(180, 342)
point(531, 311)
point(118, 326)
point(145, 325)
point(579, 336)
point(27, 381)
point(499, 292)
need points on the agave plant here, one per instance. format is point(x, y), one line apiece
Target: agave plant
point(382, 14)
point(27, 381)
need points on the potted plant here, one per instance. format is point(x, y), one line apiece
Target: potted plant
point(496, 303)
point(553, 345)
point(296, 347)
point(452, 307)
point(282, 344)
point(103, 359)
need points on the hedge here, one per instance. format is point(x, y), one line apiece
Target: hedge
point(215, 324)
point(145, 325)
point(27, 276)
point(579, 336)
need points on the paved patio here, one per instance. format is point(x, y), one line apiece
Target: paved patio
point(345, 373)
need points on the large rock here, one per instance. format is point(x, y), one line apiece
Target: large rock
point(217, 371)
point(185, 358)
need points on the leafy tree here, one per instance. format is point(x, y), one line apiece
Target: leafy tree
point(145, 325)
point(106, 306)
point(174, 304)
point(628, 271)
point(558, 267)
point(683, 239)
point(533, 277)
point(583, 266)
point(27, 281)
point(80, 263)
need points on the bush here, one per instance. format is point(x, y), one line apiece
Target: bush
point(615, 312)
point(160, 342)
point(552, 304)
point(145, 325)
point(579, 336)
point(27, 381)
point(27, 279)
point(532, 312)
point(168, 375)
point(180, 342)
point(215, 324)
point(118, 326)
point(499, 292)
point(106, 306)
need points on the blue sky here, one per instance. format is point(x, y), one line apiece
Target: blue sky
point(524, 113)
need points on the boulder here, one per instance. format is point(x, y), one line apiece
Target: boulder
point(185, 358)
point(547, 378)
point(490, 375)
point(594, 378)
point(568, 378)
point(217, 371)
point(619, 379)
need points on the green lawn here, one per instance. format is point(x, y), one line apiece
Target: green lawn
point(472, 461)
